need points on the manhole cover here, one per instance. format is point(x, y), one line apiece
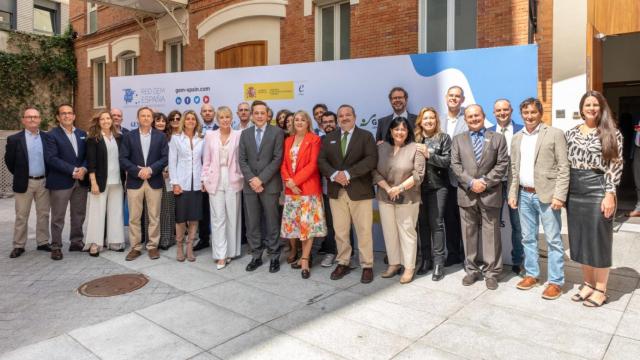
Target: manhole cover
point(113, 285)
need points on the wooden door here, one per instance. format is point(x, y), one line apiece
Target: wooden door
point(251, 53)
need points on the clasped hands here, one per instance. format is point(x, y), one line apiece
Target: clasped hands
point(341, 178)
point(292, 185)
point(145, 172)
point(79, 173)
point(478, 186)
point(256, 184)
point(393, 192)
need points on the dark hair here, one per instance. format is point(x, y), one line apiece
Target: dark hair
point(61, 105)
point(400, 120)
point(398, 88)
point(347, 106)
point(286, 113)
point(531, 101)
point(173, 114)
point(257, 103)
point(331, 113)
point(323, 106)
point(456, 87)
point(167, 128)
point(606, 126)
point(474, 105)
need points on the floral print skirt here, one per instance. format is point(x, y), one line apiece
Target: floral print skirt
point(303, 217)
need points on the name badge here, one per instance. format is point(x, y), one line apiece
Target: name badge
point(486, 140)
point(332, 142)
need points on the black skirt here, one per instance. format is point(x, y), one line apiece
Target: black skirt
point(189, 206)
point(590, 233)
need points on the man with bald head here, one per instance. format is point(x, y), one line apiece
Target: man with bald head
point(479, 160)
point(208, 114)
point(116, 117)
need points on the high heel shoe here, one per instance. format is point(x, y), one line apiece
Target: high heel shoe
point(392, 271)
point(407, 276)
point(305, 272)
point(296, 265)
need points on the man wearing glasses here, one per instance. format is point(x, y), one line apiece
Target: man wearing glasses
point(244, 115)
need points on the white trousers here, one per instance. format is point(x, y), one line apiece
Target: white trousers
point(399, 231)
point(226, 223)
point(105, 207)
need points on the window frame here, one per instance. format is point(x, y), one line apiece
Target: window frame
point(168, 45)
point(122, 63)
point(92, 7)
point(54, 13)
point(95, 74)
point(336, 29)
point(450, 28)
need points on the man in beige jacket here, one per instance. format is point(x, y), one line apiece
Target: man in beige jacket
point(539, 185)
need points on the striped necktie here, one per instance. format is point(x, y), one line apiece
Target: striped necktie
point(477, 145)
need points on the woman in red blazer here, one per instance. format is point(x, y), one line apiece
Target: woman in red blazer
point(303, 213)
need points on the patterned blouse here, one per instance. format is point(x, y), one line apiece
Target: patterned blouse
point(585, 152)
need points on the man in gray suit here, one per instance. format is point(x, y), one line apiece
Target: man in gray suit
point(539, 185)
point(260, 157)
point(398, 98)
point(479, 160)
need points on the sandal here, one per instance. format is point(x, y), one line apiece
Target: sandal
point(592, 303)
point(577, 297)
point(305, 272)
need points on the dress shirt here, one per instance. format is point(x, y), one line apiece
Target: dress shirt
point(527, 156)
point(452, 122)
point(508, 134)
point(346, 148)
point(238, 126)
point(262, 131)
point(72, 138)
point(35, 153)
point(185, 161)
point(113, 165)
point(208, 127)
point(145, 142)
point(404, 114)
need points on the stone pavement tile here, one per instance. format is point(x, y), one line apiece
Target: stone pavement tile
point(563, 309)
point(323, 275)
point(183, 276)
point(532, 327)
point(421, 351)
point(339, 335)
point(133, 337)
point(383, 315)
point(452, 283)
point(623, 349)
point(477, 341)
point(138, 264)
point(618, 300)
point(204, 356)
point(630, 324)
point(267, 343)
point(289, 285)
point(234, 270)
point(62, 347)
point(254, 303)
point(414, 297)
point(198, 320)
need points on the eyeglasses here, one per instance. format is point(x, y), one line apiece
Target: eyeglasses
point(65, 113)
point(175, 119)
point(31, 117)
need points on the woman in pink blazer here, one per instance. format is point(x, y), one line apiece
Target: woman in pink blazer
point(222, 179)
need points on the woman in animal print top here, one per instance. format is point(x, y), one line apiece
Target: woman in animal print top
point(595, 154)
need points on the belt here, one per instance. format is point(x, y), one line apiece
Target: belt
point(36, 177)
point(528, 189)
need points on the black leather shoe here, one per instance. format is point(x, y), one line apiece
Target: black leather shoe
point(45, 247)
point(438, 273)
point(254, 264)
point(56, 254)
point(76, 247)
point(274, 267)
point(452, 260)
point(203, 244)
point(305, 274)
point(518, 270)
point(424, 267)
point(16, 252)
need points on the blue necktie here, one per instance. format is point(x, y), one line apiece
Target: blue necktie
point(477, 145)
point(258, 138)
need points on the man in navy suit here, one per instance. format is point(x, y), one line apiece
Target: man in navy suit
point(24, 157)
point(502, 111)
point(398, 98)
point(65, 157)
point(143, 155)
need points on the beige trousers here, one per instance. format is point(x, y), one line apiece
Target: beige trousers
point(399, 230)
point(344, 212)
point(136, 198)
point(35, 191)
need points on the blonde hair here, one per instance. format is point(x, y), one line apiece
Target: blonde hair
point(419, 133)
point(197, 130)
point(306, 117)
point(224, 110)
point(95, 131)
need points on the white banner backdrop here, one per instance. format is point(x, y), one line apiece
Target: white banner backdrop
point(484, 74)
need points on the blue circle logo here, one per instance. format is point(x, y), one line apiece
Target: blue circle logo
point(178, 100)
point(187, 100)
point(196, 99)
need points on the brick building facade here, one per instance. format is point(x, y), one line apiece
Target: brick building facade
point(291, 31)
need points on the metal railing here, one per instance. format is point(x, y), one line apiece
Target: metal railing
point(6, 179)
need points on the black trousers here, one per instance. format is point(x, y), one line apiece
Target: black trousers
point(204, 226)
point(431, 224)
point(455, 250)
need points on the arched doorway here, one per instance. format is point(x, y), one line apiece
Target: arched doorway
point(249, 53)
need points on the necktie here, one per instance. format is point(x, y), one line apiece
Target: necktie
point(477, 145)
point(258, 138)
point(343, 142)
point(503, 130)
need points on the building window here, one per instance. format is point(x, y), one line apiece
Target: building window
point(448, 25)
point(127, 64)
point(99, 79)
point(92, 17)
point(45, 17)
point(334, 23)
point(6, 20)
point(174, 56)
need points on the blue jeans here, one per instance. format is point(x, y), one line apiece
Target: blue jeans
point(517, 252)
point(531, 210)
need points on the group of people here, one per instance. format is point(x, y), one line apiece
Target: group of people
point(441, 186)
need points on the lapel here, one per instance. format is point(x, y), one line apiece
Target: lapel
point(541, 133)
point(65, 138)
point(304, 148)
point(135, 137)
point(466, 139)
point(488, 138)
point(23, 142)
point(354, 138)
point(79, 142)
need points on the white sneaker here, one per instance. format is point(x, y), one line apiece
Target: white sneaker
point(328, 260)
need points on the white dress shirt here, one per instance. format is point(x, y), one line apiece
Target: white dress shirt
point(452, 122)
point(185, 161)
point(508, 134)
point(528, 156)
point(145, 143)
point(113, 164)
point(72, 138)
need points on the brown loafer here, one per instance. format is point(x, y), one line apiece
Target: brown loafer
point(471, 279)
point(367, 275)
point(529, 282)
point(56, 254)
point(16, 252)
point(155, 254)
point(340, 271)
point(132, 255)
point(491, 283)
point(552, 292)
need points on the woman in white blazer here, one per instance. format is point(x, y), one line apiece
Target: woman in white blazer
point(222, 179)
point(185, 168)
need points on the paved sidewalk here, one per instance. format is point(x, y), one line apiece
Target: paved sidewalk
point(191, 310)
